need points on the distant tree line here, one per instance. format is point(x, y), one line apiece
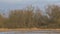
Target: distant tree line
point(30, 18)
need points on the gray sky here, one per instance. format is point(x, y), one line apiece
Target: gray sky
point(18, 4)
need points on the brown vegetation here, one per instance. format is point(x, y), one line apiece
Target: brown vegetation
point(32, 19)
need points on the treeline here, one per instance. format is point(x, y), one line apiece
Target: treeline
point(30, 18)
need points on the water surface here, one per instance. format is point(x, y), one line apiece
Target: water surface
point(32, 32)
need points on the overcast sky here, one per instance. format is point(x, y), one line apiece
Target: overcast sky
point(18, 4)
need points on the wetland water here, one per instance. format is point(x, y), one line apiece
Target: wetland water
point(33, 32)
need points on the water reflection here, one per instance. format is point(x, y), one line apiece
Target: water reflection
point(31, 32)
point(7, 33)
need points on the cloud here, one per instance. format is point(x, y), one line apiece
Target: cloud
point(28, 1)
point(22, 3)
point(16, 1)
point(12, 1)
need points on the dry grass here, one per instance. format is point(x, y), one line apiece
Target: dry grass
point(26, 29)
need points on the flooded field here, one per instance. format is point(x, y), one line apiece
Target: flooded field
point(33, 32)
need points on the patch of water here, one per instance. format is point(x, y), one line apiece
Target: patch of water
point(31, 32)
